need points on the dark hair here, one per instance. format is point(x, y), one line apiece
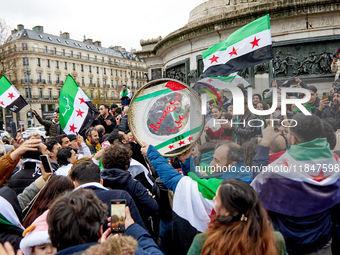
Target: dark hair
point(219, 108)
point(59, 138)
point(117, 156)
point(105, 105)
point(5, 140)
point(312, 88)
point(250, 150)
point(50, 144)
point(229, 234)
point(64, 154)
point(89, 131)
point(329, 134)
point(264, 105)
point(75, 218)
point(260, 97)
point(211, 102)
point(175, 162)
point(118, 110)
point(124, 85)
point(86, 172)
point(332, 122)
point(264, 93)
point(115, 136)
point(55, 186)
point(308, 128)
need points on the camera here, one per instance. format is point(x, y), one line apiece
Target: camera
point(336, 55)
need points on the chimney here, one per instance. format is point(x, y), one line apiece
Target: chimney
point(38, 29)
point(89, 41)
point(20, 27)
point(98, 43)
point(66, 35)
point(14, 31)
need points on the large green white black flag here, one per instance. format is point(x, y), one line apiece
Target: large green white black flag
point(76, 111)
point(248, 46)
point(10, 97)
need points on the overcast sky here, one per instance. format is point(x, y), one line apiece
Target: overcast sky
point(113, 22)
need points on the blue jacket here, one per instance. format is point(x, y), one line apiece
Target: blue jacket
point(170, 177)
point(77, 249)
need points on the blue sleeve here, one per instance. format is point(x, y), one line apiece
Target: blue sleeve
point(189, 166)
point(146, 244)
point(261, 158)
point(169, 176)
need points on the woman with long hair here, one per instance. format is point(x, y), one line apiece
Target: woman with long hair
point(240, 226)
point(55, 186)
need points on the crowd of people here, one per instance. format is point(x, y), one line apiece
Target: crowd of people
point(218, 197)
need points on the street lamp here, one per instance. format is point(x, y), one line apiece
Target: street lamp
point(28, 73)
point(104, 86)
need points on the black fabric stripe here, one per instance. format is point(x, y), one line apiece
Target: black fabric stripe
point(251, 59)
point(8, 194)
point(90, 116)
point(17, 104)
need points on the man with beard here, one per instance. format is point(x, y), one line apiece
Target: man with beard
point(92, 140)
point(160, 121)
point(52, 127)
point(106, 119)
point(313, 104)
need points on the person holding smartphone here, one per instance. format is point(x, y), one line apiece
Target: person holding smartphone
point(335, 66)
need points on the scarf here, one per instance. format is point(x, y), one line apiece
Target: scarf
point(97, 146)
point(308, 107)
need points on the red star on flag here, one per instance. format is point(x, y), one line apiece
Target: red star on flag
point(181, 143)
point(81, 100)
point(213, 59)
point(190, 138)
point(2, 103)
point(255, 42)
point(320, 177)
point(10, 95)
point(233, 52)
point(210, 80)
point(72, 128)
point(79, 113)
point(171, 147)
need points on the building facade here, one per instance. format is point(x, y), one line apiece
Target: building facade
point(305, 36)
point(38, 63)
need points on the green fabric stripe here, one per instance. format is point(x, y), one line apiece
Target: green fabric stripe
point(178, 138)
point(153, 94)
point(252, 28)
point(312, 150)
point(207, 187)
point(69, 90)
point(5, 84)
point(3, 220)
point(226, 79)
point(210, 95)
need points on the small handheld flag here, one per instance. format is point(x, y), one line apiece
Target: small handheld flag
point(10, 97)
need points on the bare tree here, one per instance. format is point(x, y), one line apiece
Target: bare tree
point(4, 31)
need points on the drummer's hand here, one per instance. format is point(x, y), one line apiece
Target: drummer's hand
point(144, 149)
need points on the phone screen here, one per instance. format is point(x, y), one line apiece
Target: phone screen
point(118, 215)
point(325, 95)
point(46, 163)
point(13, 129)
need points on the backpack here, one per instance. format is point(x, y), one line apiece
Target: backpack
point(162, 198)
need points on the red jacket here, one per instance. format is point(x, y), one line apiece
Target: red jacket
point(219, 134)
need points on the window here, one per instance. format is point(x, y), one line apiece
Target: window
point(98, 82)
point(90, 82)
point(88, 56)
point(54, 51)
point(97, 70)
point(90, 69)
point(28, 94)
point(57, 64)
point(65, 65)
point(104, 82)
point(112, 95)
point(81, 67)
point(111, 71)
point(125, 73)
point(49, 93)
point(40, 93)
point(121, 73)
point(73, 66)
point(39, 78)
point(118, 62)
point(58, 78)
point(25, 61)
point(83, 81)
point(102, 59)
point(63, 52)
point(105, 71)
point(112, 84)
point(132, 84)
point(58, 90)
point(45, 49)
point(126, 83)
point(110, 61)
point(38, 62)
point(24, 46)
point(35, 48)
point(48, 63)
point(123, 63)
point(116, 72)
point(79, 55)
point(71, 54)
point(95, 58)
point(26, 77)
point(49, 78)
point(117, 84)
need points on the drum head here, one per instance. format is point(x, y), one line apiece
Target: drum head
point(167, 114)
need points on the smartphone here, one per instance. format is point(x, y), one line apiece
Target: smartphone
point(325, 95)
point(13, 129)
point(46, 163)
point(118, 215)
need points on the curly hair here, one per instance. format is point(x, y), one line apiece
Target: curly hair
point(117, 156)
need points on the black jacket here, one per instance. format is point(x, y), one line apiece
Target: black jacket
point(332, 112)
point(118, 179)
point(245, 132)
point(124, 124)
point(101, 121)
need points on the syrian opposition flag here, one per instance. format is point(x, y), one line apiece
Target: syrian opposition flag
point(76, 111)
point(248, 46)
point(302, 182)
point(10, 97)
